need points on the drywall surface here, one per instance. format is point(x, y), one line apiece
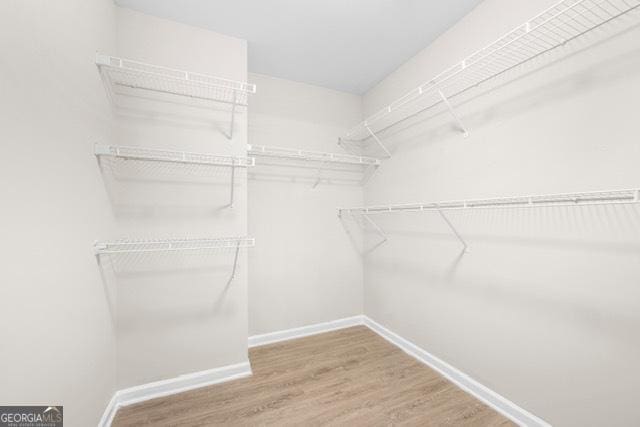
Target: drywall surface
point(304, 269)
point(56, 324)
point(545, 307)
point(176, 312)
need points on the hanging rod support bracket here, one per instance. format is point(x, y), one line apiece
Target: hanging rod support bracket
point(465, 133)
point(455, 232)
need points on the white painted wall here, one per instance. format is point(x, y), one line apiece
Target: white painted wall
point(175, 313)
point(56, 324)
point(304, 269)
point(545, 307)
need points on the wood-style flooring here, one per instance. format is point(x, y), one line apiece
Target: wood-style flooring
point(347, 377)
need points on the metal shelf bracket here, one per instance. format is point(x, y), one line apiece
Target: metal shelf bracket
point(377, 140)
point(368, 173)
point(377, 228)
point(233, 181)
point(235, 265)
point(454, 231)
point(233, 114)
point(318, 175)
point(465, 133)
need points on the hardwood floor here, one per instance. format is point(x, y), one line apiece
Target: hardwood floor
point(347, 377)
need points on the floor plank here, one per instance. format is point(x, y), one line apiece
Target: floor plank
point(347, 377)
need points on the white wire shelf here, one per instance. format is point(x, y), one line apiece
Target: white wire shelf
point(310, 156)
point(319, 159)
point(170, 245)
point(568, 199)
point(123, 247)
point(202, 160)
point(612, 197)
point(127, 77)
point(120, 72)
point(559, 24)
point(139, 153)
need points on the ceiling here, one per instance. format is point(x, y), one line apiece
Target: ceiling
point(347, 45)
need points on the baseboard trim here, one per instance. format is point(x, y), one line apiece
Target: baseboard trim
point(109, 412)
point(304, 331)
point(228, 373)
point(170, 386)
point(459, 378)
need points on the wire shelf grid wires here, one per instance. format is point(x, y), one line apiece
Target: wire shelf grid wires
point(310, 156)
point(145, 164)
point(559, 24)
point(171, 245)
point(218, 256)
point(567, 199)
point(124, 73)
point(313, 167)
point(140, 153)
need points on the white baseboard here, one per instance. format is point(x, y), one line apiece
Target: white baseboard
point(227, 373)
point(459, 378)
point(170, 386)
point(304, 331)
point(109, 412)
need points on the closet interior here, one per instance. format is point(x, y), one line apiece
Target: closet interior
point(453, 245)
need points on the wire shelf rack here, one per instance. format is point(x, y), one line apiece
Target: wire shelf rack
point(139, 153)
point(143, 248)
point(133, 162)
point(553, 28)
point(612, 197)
point(568, 199)
point(322, 161)
point(125, 73)
point(171, 245)
point(310, 156)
